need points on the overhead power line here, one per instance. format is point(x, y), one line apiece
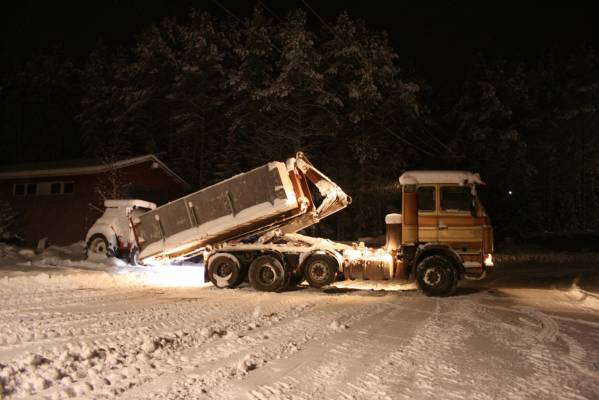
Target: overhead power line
point(432, 136)
point(225, 9)
point(406, 141)
point(322, 21)
point(260, 2)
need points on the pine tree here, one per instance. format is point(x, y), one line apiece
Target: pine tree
point(376, 104)
point(296, 104)
point(102, 81)
point(489, 119)
point(255, 55)
point(38, 103)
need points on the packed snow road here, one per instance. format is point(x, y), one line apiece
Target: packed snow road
point(89, 334)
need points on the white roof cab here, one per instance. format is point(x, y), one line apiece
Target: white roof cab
point(430, 177)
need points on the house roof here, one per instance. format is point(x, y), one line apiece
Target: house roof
point(429, 177)
point(79, 167)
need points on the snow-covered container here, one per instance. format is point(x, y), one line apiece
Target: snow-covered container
point(272, 196)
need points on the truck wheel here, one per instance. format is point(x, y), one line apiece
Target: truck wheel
point(134, 257)
point(97, 247)
point(321, 270)
point(436, 276)
point(224, 271)
point(267, 274)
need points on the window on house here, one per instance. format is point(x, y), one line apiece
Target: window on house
point(43, 188)
point(68, 187)
point(31, 189)
point(55, 188)
point(426, 198)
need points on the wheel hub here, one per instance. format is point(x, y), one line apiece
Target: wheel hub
point(267, 274)
point(98, 247)
point(432, 276)
point(319, 271)
point(223, 270)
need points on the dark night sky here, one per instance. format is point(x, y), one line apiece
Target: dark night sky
point(439, 40)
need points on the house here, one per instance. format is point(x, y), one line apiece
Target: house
point(60, 201)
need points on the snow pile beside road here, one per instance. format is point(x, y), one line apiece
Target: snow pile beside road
point(100, 263)
point(41, 282)
point(65, 268)
point(10, 254)
point(547, 257)
point(75, 278)
point(583, 297)
point(21, 270)
point(75, 250)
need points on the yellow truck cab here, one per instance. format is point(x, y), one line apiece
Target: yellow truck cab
point(445, 232)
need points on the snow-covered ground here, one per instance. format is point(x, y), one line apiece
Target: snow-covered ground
point(72, 328)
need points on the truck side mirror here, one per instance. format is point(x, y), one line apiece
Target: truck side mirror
point(473, 201)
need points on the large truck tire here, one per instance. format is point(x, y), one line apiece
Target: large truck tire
point(321, 270)
point(268, 274)
point(97, 247)
point(436, 276)
point(224, 271)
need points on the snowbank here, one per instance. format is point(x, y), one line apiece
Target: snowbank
point(65, 268)
point(583, 297)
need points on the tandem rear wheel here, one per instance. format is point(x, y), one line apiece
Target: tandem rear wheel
point(225, 271)
point(268, 274)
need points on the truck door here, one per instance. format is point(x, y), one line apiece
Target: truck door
point(427, 214)
point(458, 225)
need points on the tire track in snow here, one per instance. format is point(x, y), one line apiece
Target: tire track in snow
point(554, 369)
point(420, 366)
point(57, 327)
point(308, 380)
point(63, 299)
point(351, 368)
point(261, 347)
point(52, 321)
point(62, 327)
point(128, 360)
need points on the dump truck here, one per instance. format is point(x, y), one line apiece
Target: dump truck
point(246, 228)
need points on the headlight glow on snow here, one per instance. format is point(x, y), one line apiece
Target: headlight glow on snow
point(166, 275)
point(175, 275)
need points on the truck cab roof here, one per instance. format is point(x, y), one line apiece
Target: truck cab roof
point(440, 176)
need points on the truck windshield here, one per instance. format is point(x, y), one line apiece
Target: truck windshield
point(456, 199)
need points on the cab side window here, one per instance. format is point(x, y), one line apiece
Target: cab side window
point(456, 199)
point(426, 198)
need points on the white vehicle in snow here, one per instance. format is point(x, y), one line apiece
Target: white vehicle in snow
point(110, 235)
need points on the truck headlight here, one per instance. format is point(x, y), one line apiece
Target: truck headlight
point(489, 260)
